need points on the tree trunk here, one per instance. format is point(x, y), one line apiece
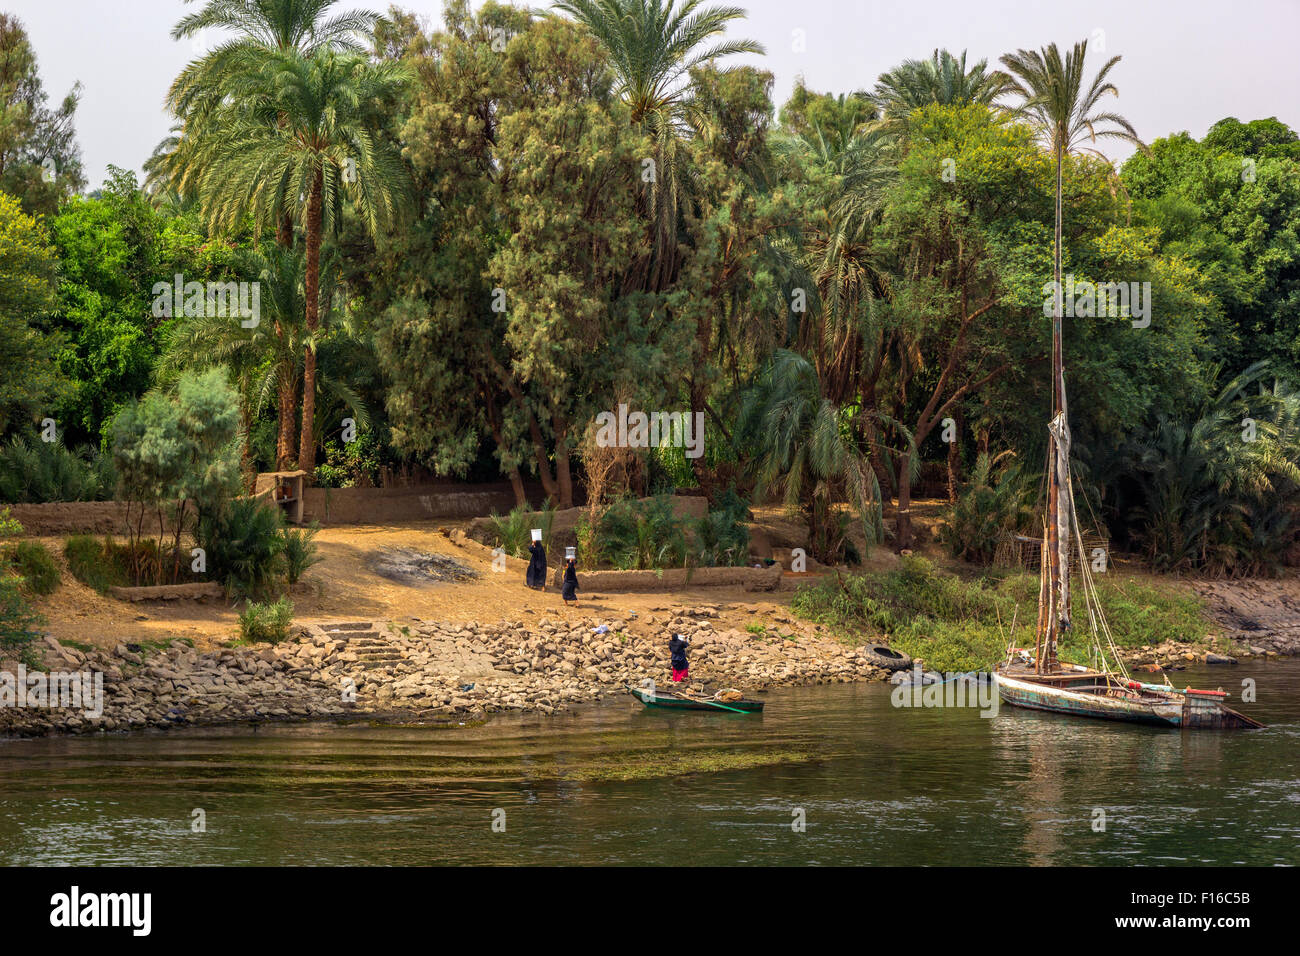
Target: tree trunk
point(954, 460)
point(246, 466)
point(287, 409)
point(903, 519)
point(563, 476)
point(307, 446)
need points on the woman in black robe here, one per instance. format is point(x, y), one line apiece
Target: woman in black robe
point(570, 592)
point(537, 567)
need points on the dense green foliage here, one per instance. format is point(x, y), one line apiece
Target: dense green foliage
point(19, 621)
point(33, 562)
point(472, 239)
point(959, 624)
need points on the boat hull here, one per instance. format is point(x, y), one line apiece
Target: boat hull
point(672, 702)
point(1188, 711)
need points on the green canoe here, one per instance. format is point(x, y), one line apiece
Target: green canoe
point(673, 701)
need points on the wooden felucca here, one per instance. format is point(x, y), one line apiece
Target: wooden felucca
point(1038, 679)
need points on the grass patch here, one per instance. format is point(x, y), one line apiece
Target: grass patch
point(952, 622)
point(33, 562)
point(266, 622)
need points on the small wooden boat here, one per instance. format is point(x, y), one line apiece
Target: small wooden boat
point(677, 700)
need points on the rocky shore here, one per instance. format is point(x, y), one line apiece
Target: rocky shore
point(429, 672)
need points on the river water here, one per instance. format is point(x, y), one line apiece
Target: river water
point(870, 783)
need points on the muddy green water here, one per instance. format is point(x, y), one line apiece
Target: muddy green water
point(875, 784)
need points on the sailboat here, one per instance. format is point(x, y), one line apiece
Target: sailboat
point(1037, 679)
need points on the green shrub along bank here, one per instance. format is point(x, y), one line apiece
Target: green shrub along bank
point(637, 535)
point(35, 565)
point(252, 551)
point(19, 621)
point(953, 622)
point(266, 622)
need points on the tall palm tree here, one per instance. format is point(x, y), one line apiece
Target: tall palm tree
point(324, 146)
point(259, 27)
point(1063, 107)
point(942, 79)
point(252, 29)
point(653, 45)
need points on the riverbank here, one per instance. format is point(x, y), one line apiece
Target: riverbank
point(416, 672)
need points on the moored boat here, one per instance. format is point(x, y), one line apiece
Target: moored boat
point(1039, 679)
point(681, 701)
point(1083, 692)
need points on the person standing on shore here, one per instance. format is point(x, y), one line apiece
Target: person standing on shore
point(570, 591)
point(677, 649)
point(536, 576)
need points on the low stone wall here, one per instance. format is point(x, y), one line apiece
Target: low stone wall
point(337, 506)
point(169, 592)
point(329, 506)
point(676, 579)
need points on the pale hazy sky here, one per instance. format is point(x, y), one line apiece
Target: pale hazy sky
point(1187, 63)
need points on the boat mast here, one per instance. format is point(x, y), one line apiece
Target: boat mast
point(1054, 590)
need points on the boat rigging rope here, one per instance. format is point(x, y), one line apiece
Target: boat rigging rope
point(1096, 617)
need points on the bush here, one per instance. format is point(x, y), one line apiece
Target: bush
point(636, 535)
point(41, 471)
point(95, 563)
point(266, 622)
point(18, 620)
point(245, 545)
point(956, 624)
point(299, 551)
point(722, 538)
point(35, 565)
point(513, 533)
point(989, 507)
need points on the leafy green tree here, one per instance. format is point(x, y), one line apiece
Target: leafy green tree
point(39, 159)
point(31, 379)
point(171, 451)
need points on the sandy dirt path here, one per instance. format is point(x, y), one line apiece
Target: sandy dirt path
point(345, 587)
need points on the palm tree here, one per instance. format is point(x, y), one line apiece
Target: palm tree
point(653, 45)
point(323, 146)
point(265, 360)
point(259, 27)
point(1208, 495)
point(812, 450)
point(255, 28)
point(1066, 115)
point(942, 79)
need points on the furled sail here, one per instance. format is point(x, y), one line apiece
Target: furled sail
point(1060, 429)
